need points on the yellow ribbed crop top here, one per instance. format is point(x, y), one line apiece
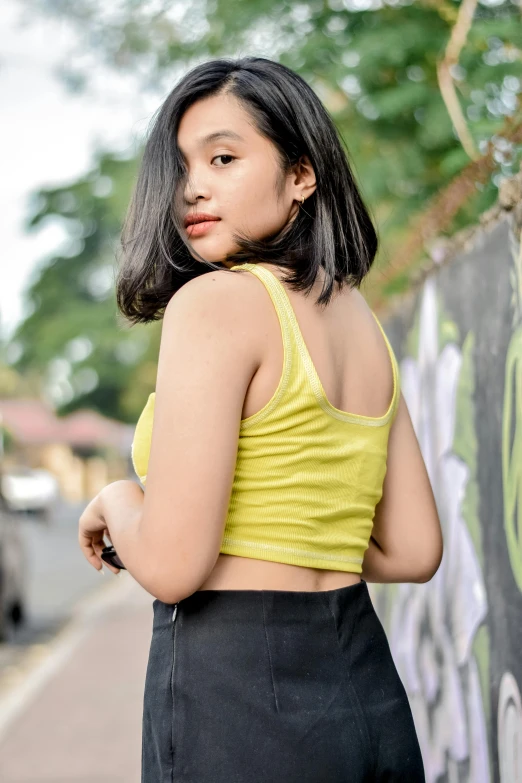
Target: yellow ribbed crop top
point(308, 476)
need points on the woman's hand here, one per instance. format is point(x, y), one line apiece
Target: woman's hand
point(92, 529)
point(115, 512)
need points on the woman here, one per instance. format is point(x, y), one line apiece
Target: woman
point(282, 471)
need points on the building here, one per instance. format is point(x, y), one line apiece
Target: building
point(84, 450)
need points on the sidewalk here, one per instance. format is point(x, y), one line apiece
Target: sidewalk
point(75, 717)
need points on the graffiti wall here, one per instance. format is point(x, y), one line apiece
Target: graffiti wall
point(457, 640)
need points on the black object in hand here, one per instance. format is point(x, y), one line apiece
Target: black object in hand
point(109, 555)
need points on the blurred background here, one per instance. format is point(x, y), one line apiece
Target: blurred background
point(427, 95)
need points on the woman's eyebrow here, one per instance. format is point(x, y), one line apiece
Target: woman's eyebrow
point(220, 134)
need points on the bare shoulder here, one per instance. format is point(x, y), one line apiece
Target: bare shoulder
point(221, 294)
point(211, 287)
point(358, 300)
point(368, 328)
point(222, 300)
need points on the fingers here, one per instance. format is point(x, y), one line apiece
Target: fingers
point(92, 529)
point(92, 549)
point(88, 551)
point(98, 550)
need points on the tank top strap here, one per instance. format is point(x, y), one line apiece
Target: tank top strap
point(277, 295)
point(293, 338)
point(395, 369)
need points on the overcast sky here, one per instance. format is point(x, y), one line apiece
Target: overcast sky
point(47, 137)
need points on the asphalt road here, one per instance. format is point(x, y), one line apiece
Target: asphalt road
point(58, 577)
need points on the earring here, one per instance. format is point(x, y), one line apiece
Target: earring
point(302, 200)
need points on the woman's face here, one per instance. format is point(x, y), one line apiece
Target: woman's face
point(234, 178)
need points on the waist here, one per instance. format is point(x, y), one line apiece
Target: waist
point(233, 572)
point(284, 607)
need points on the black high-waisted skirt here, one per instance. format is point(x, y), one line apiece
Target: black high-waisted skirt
point(275, 686)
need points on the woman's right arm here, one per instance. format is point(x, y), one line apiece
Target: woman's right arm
point(378, 567)
point(406, 543)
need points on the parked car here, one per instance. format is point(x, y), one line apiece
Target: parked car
point(13, 571)
point(33, 490)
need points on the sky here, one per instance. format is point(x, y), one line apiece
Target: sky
point(48, 137)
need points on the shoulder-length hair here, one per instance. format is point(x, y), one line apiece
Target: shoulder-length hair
point(332, 229)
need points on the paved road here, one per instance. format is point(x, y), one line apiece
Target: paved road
point(58, 577)
point(71, 681)
point(76, 716)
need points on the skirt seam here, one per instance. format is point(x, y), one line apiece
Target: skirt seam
point(348, 674)
point(269, 655)
point(172, 675)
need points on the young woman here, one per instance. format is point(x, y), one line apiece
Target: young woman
point(281, 467)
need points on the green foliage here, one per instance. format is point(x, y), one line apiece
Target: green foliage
point(376, 71)
point(73, 296)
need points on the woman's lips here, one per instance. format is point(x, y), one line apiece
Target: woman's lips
point(198, 229)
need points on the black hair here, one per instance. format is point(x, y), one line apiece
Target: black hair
point(333, 229)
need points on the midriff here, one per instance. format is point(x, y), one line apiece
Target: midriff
point(244, 573)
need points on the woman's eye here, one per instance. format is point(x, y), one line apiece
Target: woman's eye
point(223, 156)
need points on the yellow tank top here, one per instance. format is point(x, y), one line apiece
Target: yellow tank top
point(308, 475)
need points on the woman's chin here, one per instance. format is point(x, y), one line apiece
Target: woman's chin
point(212, 258)
point(212, 255)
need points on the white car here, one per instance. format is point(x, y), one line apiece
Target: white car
point(29, 489)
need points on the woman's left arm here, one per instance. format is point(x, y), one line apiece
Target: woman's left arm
point(169, 535)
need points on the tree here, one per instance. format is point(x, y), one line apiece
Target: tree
point(378, 68)
point(85, 353)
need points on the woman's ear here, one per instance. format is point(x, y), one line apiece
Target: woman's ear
point(305, 177)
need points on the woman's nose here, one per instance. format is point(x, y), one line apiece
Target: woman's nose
point(195, 189)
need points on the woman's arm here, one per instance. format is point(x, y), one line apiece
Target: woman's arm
point(122, 508)
point(169, 536)
point(407, 534)
point(379, 567)
point(115, 513)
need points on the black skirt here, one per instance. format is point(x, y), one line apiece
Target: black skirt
point(275, 686)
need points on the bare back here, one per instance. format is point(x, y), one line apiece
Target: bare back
point(353, 364)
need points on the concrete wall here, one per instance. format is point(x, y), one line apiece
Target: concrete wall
point(457, 640)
